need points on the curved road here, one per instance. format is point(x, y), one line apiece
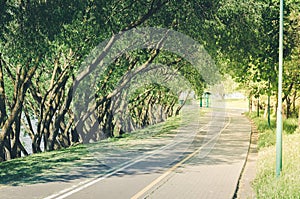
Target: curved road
point(201, 159)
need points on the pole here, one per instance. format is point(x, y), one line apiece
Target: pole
point(269, 101)
point(279, 108)
point(200, 101)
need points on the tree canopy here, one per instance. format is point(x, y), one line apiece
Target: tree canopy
point(43, 45)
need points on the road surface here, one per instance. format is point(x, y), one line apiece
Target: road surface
point(201, 159)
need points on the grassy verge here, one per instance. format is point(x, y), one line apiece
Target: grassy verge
point(59, 165)
point(267, 135)
point(266, 184)
point(41, 167)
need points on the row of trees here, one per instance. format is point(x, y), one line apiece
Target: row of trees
point(257, 68)
point(44, 44)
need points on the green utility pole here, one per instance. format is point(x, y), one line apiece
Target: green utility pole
point(200, 101)
point(269, 101)
point(279, 108)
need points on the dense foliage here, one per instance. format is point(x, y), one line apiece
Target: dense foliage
point(44, 43)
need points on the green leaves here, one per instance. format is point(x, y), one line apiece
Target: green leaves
point(241, 36)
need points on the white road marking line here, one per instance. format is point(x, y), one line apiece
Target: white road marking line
point(88, 183)
point(82, 185)
point(169, 171)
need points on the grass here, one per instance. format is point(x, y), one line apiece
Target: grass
point(287, 185)
point(267, 134)
point(266, 185)
point(59, 165)
point(34, 168)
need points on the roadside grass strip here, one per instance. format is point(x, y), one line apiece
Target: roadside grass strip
point(287, 185)
point(266, 184)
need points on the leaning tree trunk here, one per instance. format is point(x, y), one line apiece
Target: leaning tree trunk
point(22, 82)
point(3, 114)
point(181, 106)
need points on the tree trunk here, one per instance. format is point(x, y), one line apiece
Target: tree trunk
point(180, 107)
point(299, 118)
point(283, 111)
point(288, 107)
point(269, 102)
point(2, 95)
point(258, 104)
point(5, 150)
point(269, 110)
point(36, 144)
point(250, 103)
point(15, 149)
point(294, 102)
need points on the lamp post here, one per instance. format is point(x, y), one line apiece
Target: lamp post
point(279, 108)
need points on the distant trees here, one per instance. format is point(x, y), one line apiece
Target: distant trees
point(252, 40)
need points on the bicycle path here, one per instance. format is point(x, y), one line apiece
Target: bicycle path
point(216, 146)
point(214, 176)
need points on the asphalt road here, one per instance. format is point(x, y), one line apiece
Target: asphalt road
point(201, 159)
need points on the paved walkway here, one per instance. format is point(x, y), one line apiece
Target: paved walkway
point(219, 149)
point(213, 176)
point(245, 190)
